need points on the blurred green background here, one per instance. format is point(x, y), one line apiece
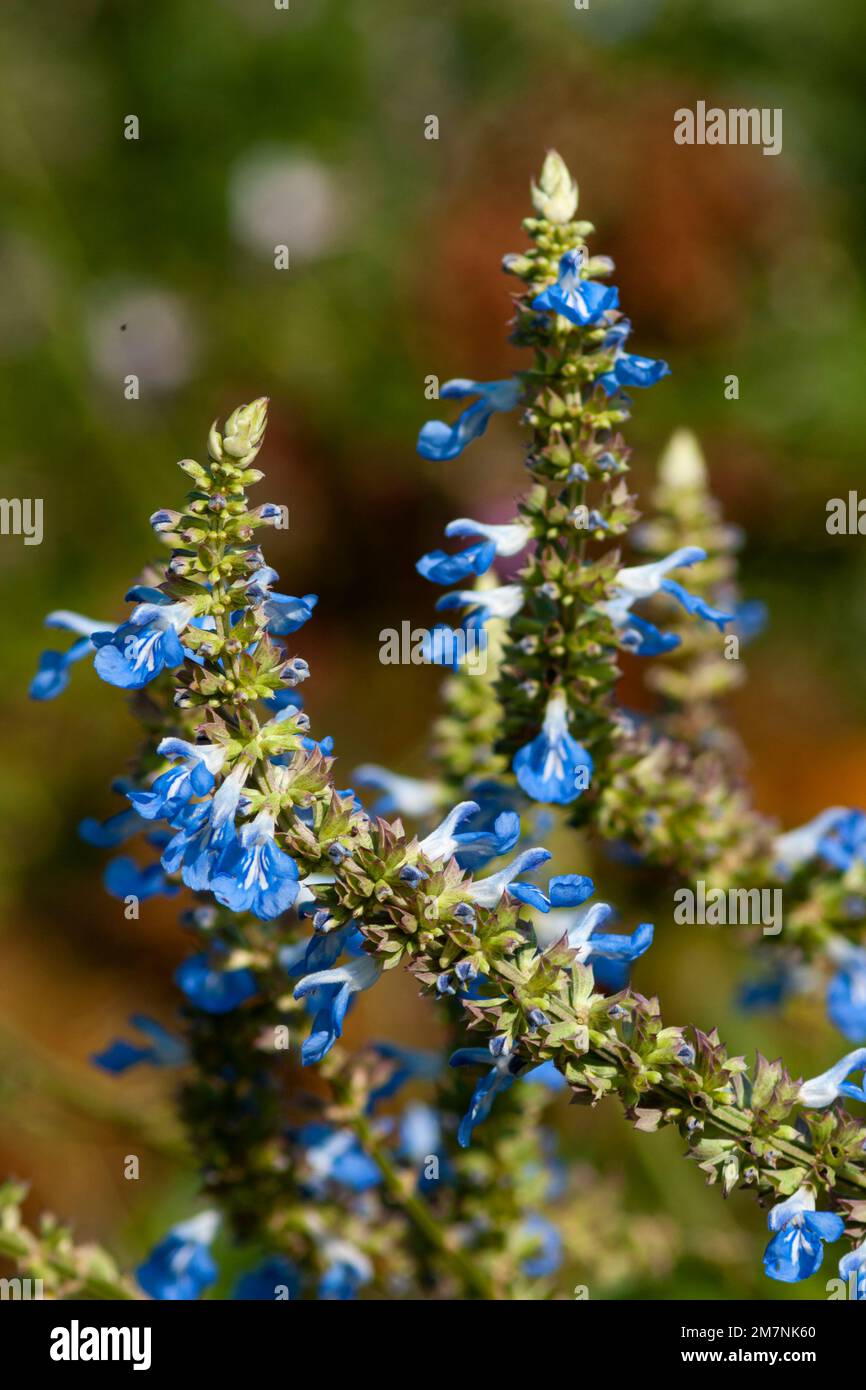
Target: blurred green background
point(155, 257)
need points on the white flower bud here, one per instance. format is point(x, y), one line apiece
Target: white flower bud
point(555, 195)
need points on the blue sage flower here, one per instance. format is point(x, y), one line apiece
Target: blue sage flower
point(628, 369)
point(336, 1155)
point(580, 301)
point(581, 933)
point(123, 878)
point(164, 1049)
point(486, 892)
point(171, 791)
point(636, 582)
point(439, 441)
point(207, 830)
point(212, 989)
point(501, 1077)
point(483, 604)
point(331, 992)
point(553, 767)
point(796, 1250)
point(446, 840)
point(565, 890)
point(442, 568)
point(254, 874)
point(148, 643)
point(507, 539)
point(52, 676)
point(285, 614)
point(830, 1085)
point(845, 842)
point(181, 1267)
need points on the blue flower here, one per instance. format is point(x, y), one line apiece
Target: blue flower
point(331, 992)
point(110, 833)
point(254, 874)
point(181, 1266)
point(508, 539)
point(846, 994)
point(501, 1077)
point(439, 441)
point(580, 301)
point(855, 1263)
point(347, 1270)
point(408, 796)
point(628, 369)
point(52, 676)
point(285, 614)
point(171, 791)
point(483, 604)
point(211, 989)
point(486, 892)
point(163, 1050)
point(796, 1250)
point(123, 878)
point(553, 767)
point(335, 1155)
point(637, 582)
point(148, 643)
point(797, 847)
point(565, 890)
point(480, 845)
point(830, 1085)
point(442, 568)
point(207, 829)
point(547, 1256)
point(582, 935)
point(274, 1278)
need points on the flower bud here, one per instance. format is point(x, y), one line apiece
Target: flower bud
point(555, 195)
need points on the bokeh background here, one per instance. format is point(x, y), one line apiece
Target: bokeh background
point(155, 257)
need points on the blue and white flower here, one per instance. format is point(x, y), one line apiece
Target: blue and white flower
point(181, 1267)
point(254, 874)
point(211, 988)
point(580, 301)
point(628, 369)
point(148, 643)
point(582, 934)
point(797, 1250)
point(194, 776)
point(347, 1271)
point(330, 993)
point(336, 1155)
point(504, 601)
point(823, 1090)
point(123, 879)
point(206, 832)
point(439, 441)
point(553, 767)
point(52, 676)
point(446, 840)
point(636, 582)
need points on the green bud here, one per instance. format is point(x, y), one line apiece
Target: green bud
point(555, 195)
